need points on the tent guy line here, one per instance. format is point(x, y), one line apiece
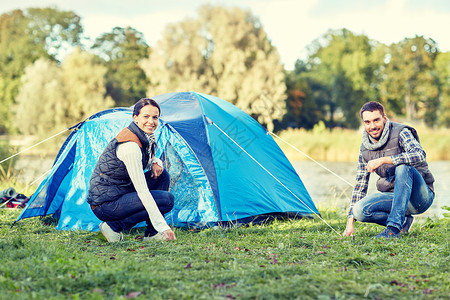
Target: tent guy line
point(243, 150)
point(31, 147)
point(43, 141)
point(313, 159)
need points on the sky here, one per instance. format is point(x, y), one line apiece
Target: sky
point(291, 25)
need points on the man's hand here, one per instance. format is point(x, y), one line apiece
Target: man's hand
point(374, 164)
point(156, 170)
point(349, 229)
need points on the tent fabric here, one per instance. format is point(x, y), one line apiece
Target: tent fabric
point(215, 177)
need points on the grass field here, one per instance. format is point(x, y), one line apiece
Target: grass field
point(290, 259)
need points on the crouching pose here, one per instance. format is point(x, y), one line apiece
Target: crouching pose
point(121, 194)
point(405, 186)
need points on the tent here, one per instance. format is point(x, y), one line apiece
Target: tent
point(224, 166)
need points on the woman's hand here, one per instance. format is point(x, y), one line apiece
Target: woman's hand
point(156, 170)
point(170, 235)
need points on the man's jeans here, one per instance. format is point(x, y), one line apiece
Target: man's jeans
point(411, 196)
point(128, 210)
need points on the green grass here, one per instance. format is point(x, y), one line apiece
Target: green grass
point(289, 259)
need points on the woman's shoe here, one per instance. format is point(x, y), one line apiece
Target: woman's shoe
point(110, 235)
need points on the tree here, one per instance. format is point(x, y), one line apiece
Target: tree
point(344, 64)
point(53, 96)
point(15, 55)
point(442, 65)
point(84, 85)
point(26, 36)
point(40, 102)
point(307, 98)
point(57, 31)
point(120, 51)
point(410, 83)
point(226, 53)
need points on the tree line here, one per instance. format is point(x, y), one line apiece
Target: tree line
point(52, 77)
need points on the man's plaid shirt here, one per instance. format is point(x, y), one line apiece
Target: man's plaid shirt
point(413, 153)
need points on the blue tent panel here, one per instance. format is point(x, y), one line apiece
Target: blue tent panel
point(245, 155)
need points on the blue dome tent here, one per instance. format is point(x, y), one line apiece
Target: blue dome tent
point(224, 167)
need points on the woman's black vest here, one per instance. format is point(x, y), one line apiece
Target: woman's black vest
point(387, 171)
point(110, 179)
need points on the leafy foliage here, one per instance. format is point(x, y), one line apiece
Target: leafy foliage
point(57, 31)
point(120, 51)
point(72, 92)
point(26, 36)
point(226, 53)
point(442, 64)
point(345, 70)
point(409, 87)
point(342, 63)
point(308, 100)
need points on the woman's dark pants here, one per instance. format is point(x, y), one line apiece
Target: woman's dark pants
point(128, 210)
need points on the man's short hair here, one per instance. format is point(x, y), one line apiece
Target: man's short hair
point(372, 106)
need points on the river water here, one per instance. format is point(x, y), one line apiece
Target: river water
point(328, 183)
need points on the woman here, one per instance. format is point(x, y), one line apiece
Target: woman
point(120, 193)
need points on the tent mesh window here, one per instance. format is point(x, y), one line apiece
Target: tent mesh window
point(183, 186)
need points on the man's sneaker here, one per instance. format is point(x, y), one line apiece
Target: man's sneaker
point(407, 225)
point(110, 235)
point(157, 237)
point(388, 234)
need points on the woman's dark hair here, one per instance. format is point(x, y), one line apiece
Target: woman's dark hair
point(372, 106)
point(143, 102)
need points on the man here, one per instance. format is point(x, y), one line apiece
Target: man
point(392, 150)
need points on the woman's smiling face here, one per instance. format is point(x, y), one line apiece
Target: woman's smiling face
point(147, 120)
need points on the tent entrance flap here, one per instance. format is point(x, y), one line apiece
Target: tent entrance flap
point(195, 205)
